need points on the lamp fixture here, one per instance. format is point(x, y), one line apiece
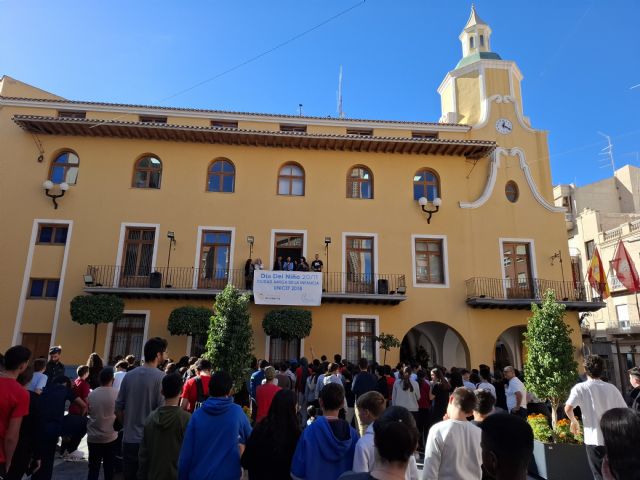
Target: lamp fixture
point(250, 241)
point(430, 207)
point(327, 240)
point(88, 281)
point(48, 185)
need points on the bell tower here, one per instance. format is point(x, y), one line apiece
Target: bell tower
point(480, 77)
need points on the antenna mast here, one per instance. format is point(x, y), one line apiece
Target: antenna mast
point(340, 111)
point(607, 152)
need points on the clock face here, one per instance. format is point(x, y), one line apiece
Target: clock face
point(504, 126)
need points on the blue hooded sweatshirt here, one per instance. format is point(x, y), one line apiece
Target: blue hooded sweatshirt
point(320, 455)
point(210, 446)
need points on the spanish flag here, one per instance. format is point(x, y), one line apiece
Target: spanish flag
point(597, 276)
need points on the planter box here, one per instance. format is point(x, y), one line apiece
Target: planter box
point(559, 461)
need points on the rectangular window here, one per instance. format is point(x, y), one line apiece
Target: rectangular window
point(152, 119)
point(359, 341)
point(72, 114)
point(424, 134)
point(283, 350)
point(46, 288)
point(224, 124)
point(293, 128)
point(137, 256)
point(516, 261)
point(52, 234)
point(360, 266)
point(429, 261)
point(363, 132)
point(622, 312)
point(589, 248)
point(215, 255)
point(127, 336)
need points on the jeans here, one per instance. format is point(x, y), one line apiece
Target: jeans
point(101, 453)
point(595, 456)
point(130, 460)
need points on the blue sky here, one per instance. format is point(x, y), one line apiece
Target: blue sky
point(579, 59)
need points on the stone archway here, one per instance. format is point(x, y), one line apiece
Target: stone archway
point(509, 349)
point(443, 344)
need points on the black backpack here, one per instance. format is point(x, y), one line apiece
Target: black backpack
point(200, 391)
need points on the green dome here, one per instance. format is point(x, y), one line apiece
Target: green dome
point(474, 57)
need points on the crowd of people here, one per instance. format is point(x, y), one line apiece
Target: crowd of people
point(318, 419)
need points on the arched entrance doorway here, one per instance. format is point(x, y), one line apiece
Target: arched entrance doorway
point(434, 343)
point(509, 349)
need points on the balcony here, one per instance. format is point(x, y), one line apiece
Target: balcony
point(189, 282)
point(624, 328)
point(485, 292)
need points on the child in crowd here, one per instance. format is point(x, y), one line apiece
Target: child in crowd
point(101, 437)
point(81, 389)
point(39, 380)
point(164, 431)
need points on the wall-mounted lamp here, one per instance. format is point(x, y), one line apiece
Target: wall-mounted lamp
point(558, 256)
point(250, 241)
point(430, 207)
point(62, 189)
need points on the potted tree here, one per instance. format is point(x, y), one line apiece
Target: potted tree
point(387, 341)
point(192, 321)
point(96, 309)
point(550, 372)
point(230, 341)
point(287, 323)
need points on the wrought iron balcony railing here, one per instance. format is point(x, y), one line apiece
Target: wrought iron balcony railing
point(189, 278)
point(487, 292)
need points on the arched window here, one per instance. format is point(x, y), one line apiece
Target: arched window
point(482, 40)
point(291, 180)
point(471, 42)
point(359, 183)
point(426, 183)
point(64, 168)
point(221, 176)
point(147, 172)
point(511, 191)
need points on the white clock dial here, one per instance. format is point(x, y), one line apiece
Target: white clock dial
point(504, 126)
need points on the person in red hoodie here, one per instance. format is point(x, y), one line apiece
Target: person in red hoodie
point(81, 389)
point(266, 392)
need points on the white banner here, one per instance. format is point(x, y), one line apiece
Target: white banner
point(287, 288)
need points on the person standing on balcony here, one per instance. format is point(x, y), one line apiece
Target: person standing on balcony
point(316, 264)
point(303, 266)
point(288, 265)
point(594, 397)
point(249, 267)
point(278, 264)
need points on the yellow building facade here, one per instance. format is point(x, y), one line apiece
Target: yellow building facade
point(230, 185)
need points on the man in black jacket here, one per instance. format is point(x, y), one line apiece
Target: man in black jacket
point(55, 368)
point(363, 382)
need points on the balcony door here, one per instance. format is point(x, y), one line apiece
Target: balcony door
point(215, 255)
point(516, 260)
point(360, 265)
point(138, 257)
point(288, 245)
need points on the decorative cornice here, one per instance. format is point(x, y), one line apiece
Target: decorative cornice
point(493, 175)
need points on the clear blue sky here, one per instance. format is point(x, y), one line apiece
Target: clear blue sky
point(579, 58)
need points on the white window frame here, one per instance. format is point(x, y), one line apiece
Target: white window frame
point(17, 333)
point(532, 252)
point(624, 324)
point(123, 230)
point(232, 251)
point(145, 335)
point(376, 265)
point(376, 318)
point(445, 261)
point(275, 231)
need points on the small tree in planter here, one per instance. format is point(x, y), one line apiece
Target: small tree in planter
point(287, 323)
point(189, 320)
point(387, 341)
point(96, 309)
point(550, 369)
point(230, 340)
